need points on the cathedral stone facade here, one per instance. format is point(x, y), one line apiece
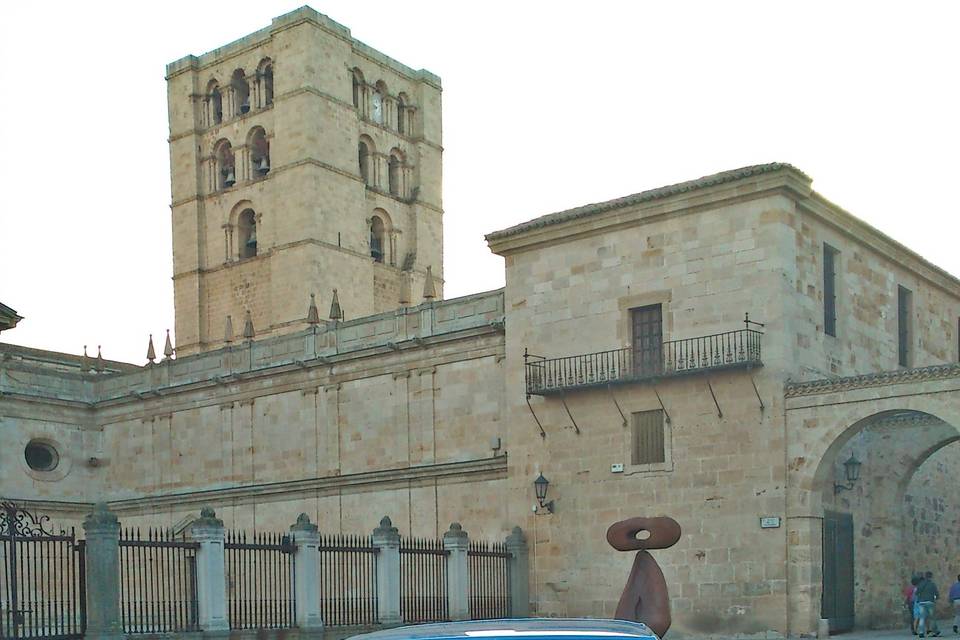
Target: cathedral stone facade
point(735, 351)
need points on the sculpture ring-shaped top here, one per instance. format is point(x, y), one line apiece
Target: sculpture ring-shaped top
point(664, 533)
point(645, 597)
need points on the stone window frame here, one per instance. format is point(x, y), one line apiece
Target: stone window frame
point(626, 304)
point(64, 463)
point(650, 467)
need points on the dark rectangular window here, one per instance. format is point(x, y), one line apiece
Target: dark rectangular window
point(903, 325)
point(647, 333)
point(648, 445)
point(829, 290)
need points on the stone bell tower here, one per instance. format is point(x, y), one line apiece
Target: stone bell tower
point(302, 161)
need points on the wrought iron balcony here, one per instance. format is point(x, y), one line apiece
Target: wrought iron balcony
point(731, 350)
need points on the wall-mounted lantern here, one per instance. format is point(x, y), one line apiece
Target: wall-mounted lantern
point(851, 469)
point(540, 485)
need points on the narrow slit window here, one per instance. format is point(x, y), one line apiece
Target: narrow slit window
point(829, 290)
point(904, 304)
point(648, 438)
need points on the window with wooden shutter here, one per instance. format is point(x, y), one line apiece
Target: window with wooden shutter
point(647, 334)
point(903, 325)
point(648, 438)
point(829, 290)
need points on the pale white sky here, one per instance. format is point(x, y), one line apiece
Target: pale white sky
point(547, 105)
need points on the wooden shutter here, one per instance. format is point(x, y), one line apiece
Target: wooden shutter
point(647, 333)
point(648, 441)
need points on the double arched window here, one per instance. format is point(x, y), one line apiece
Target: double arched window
point(375, 103)
point(240, 96)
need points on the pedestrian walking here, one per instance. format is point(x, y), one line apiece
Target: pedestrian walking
point(954, 597)
point(926, 599)
point(909, 603)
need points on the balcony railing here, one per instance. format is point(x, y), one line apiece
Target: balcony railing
point(735, 349)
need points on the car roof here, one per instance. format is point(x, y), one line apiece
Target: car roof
point(523, 627)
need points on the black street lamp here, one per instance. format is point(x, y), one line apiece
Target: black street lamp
point(851, 469)
point(540, 485)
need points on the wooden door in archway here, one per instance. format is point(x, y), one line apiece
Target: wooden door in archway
point(837, 603)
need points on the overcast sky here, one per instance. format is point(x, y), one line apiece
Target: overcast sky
point(547, 105)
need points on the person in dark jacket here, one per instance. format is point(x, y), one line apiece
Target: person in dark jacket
point(926, 599)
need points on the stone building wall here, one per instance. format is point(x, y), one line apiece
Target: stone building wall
point(869, 268)
point(707, 251)
point(572, 294)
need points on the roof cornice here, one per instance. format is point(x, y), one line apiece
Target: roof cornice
point(685, 196)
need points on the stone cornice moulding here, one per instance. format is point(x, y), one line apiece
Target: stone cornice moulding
point(258, 382)
point(468, 471)
point(874, 240)
point(710, 192)
point(882, 378)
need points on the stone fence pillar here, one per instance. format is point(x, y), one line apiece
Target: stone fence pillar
point(211, 573)
point(102, 557)
point(516, 544)
point(306, 588)
point(456, 542)
point(387, 541)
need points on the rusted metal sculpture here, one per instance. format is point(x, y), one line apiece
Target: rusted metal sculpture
point(645, 598)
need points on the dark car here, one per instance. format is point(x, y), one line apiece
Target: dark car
point(517, 629)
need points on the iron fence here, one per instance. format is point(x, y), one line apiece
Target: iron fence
point(259, 580)
point(733, 349)
point(42, 591)
point(423, 580)
point(489, 568)
point(348, 580)
point(158, 582)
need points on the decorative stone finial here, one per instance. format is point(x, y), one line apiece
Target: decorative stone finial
point(517, 538)
point(429, 290)
point(151, 352)
point(303, 524)
point(208, 518)
point(99, 367)
point(386, 528)
point(455, 531)
point(228, 330)
point(101, 516)
point(313, 315)
point(168, 347)
point(85, 362)
point(336, 313)
point(248, 332)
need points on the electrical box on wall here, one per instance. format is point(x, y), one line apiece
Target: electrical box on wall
point(616, 468)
